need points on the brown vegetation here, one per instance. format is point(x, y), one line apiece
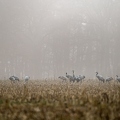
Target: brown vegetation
point(54, 100)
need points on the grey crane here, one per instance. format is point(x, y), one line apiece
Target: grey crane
point(70, 77)
point(74, 77)
point(80, 78)
point(117, 78)
point(100, 78)
point(26, 79)
point(108, 79)
point(14, 78)
point(63, 78)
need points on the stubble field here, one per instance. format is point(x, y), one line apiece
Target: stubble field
point(56, 100)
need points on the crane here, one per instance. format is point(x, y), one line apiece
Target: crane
point(108, 79)
point(63, 78)
point(14, 78)
point(100, 77)
point(117, 78)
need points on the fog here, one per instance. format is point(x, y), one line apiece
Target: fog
point(47, 38)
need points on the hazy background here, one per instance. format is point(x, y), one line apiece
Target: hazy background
point(47, 38)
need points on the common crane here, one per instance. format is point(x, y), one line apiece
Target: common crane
point(63, 78)
point(74, 77)
point(108, 79)
point(14, 78)
point(26, 79)
point(80, 78)
point(117, 78)
point(70, 77)
point(100, 78)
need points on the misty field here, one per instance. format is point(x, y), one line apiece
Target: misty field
point(56, 100)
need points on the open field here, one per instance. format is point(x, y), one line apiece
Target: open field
point(54, 100)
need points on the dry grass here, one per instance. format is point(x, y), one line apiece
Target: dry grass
point(54, 100)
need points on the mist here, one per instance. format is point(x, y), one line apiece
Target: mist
point(47, 38)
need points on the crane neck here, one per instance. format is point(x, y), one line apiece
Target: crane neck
point(96, 73)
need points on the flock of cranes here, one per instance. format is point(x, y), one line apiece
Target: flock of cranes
point(108, 79)
point(73, 78)
point(14, 79)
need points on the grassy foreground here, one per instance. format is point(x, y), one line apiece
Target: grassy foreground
point(54, 100)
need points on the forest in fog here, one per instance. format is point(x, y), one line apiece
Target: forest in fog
point(47, 38)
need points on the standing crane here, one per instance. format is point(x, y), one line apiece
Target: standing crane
point(74, 77)
point(108, 79)
point(14, 78)
point(26, 79)
point(63, 78)
point(117, 78)
point(100, 78)
point(80, 78)
point(70, 77)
